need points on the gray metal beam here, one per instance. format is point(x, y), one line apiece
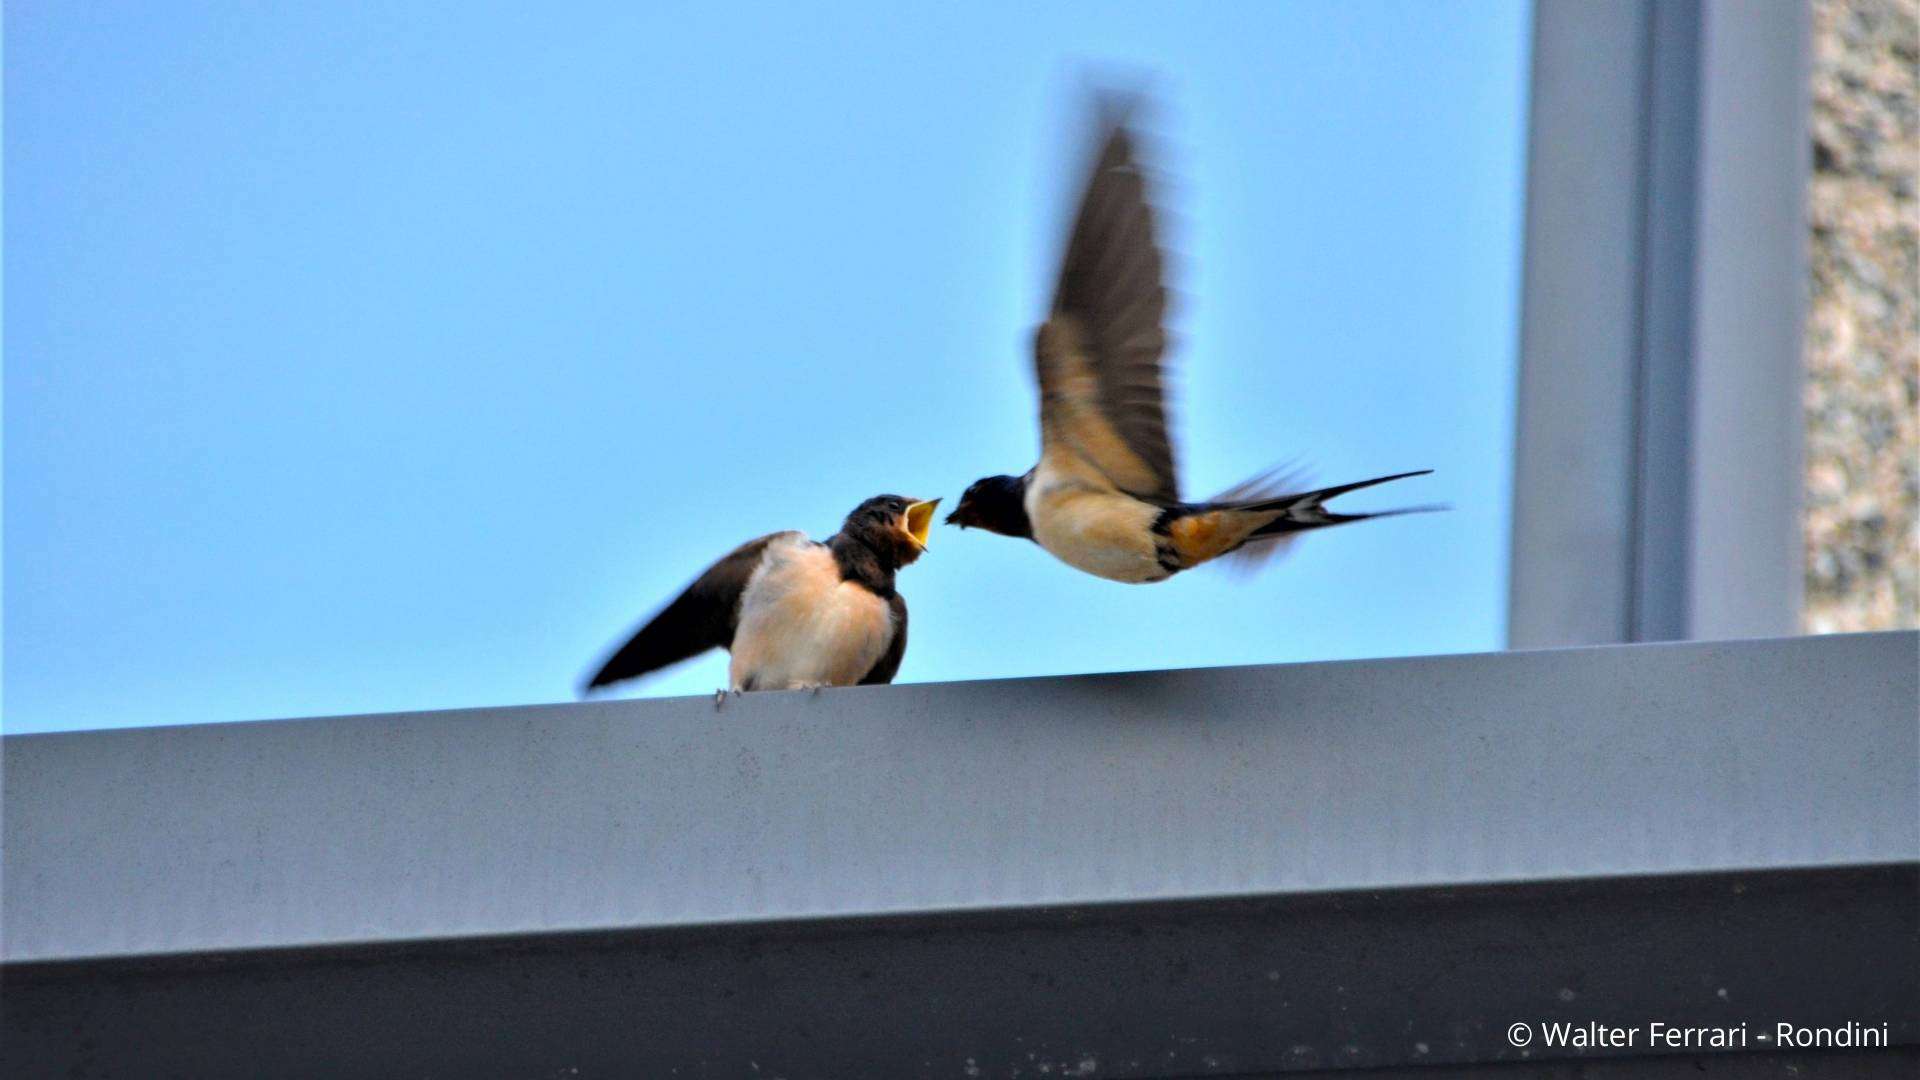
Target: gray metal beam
point(1657, 479)
point(1011, 793)
point(1372, 864)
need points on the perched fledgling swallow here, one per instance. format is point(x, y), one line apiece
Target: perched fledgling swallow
point(1104, 497)
point(796, 614)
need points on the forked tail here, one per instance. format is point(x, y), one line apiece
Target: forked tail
point(1306, 510)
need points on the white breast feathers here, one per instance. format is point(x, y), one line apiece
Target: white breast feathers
point(801, 626)
point(1092, 527)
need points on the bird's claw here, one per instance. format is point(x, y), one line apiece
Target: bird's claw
point(721, 695)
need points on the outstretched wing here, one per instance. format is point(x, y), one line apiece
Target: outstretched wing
point(889, 664)
point(702, 617)
point(1098, 356)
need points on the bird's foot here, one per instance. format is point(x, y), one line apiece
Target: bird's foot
point(721, 695)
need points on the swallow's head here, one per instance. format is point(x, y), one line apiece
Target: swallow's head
point(996, 504)
point(894, 526)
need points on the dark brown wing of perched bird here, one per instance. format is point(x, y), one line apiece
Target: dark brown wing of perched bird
point(889, 665)
point(701, 618)
point(1098, 356)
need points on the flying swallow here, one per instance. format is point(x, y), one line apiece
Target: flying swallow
point(796, 614)
point(1104, 497)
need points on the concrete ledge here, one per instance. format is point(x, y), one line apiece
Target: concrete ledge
point(1634, 760)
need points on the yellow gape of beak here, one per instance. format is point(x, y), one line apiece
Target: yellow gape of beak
point(919, 520)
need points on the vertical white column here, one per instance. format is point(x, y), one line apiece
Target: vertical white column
point(1656, 477)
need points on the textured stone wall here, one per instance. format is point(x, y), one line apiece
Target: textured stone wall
point(1863, 330)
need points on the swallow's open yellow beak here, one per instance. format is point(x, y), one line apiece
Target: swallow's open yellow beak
point(919, 520)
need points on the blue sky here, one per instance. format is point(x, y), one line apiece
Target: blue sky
point(370, 360)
